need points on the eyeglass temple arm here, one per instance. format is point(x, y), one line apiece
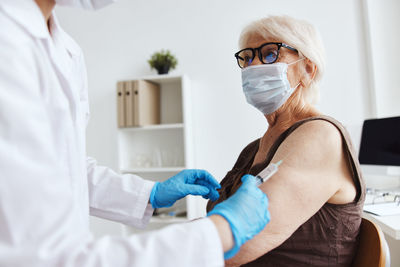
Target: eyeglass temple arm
point(237, 56)
point(289, 47)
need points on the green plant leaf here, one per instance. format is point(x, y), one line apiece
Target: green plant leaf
point(162, 58)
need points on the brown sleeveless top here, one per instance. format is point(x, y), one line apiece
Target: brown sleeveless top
point(330, 236)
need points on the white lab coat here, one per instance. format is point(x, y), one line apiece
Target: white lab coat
point(46, 182)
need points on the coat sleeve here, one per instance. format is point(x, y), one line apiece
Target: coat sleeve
point(195, 244)
point(121, 198)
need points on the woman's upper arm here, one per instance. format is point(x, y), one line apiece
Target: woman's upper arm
point(308, 177)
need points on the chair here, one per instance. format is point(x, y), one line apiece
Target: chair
point(373, 250)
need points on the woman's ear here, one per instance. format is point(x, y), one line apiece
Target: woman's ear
point(311, 71)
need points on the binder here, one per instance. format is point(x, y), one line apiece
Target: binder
point(142, 103)
point(147, 103)
point(129, 104)
point(121, 104)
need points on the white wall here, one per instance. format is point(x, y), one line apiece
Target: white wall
point(118, 40)
point(384, 21)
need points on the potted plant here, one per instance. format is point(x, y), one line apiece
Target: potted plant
point(163, 61)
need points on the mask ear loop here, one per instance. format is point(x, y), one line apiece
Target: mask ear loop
point(300, 59)
point(291, 89)
point(296, 86)
point(294, 62)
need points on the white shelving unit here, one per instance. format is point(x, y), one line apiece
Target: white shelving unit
point(157, 152)
point(154, 127)
point(153, 170)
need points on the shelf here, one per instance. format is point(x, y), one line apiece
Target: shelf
point(153, 170)
point(168, 78)
point(154, 127)
point(157, 152)
point(167, 220)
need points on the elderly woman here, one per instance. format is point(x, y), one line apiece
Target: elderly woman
point(317, 195)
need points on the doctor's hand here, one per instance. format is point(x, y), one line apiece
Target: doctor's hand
point(187, 182)
point(246, 212)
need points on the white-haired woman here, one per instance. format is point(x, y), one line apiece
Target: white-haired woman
point(316, 197)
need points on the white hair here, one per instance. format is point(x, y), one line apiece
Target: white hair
point(294, 32)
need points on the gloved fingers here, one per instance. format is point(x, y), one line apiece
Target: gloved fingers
point(249, 183)
point(249, 179)
point(193, 189)
point(202, 175)
point(213, 195)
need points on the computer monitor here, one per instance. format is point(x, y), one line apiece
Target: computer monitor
point(380, 146)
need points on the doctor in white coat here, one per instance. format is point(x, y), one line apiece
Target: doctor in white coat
point(48, 187)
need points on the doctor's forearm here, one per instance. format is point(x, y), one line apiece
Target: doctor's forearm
point(224, 231)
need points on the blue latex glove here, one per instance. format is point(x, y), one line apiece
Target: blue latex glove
point(246, 211)
point(187, 182)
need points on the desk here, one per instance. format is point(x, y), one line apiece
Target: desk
point(390, 225)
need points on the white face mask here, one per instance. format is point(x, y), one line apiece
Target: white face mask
point(266, 86)
point(85, 4)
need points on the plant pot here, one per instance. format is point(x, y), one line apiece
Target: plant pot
point(163, 69)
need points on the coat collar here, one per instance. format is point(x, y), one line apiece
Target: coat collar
point(28, 15)
point(57, 32)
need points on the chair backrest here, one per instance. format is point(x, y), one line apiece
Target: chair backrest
point(372, 250)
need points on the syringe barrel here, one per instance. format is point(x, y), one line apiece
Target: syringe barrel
point(267, 173)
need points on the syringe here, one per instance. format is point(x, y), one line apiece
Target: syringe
point(267, 173)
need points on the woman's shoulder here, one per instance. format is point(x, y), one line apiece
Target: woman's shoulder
point(320, 121)
point(321, 125)
point(313, 134)
point(323, 128)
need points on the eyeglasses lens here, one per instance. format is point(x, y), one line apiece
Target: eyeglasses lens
point(269, 53)
point(245, 58)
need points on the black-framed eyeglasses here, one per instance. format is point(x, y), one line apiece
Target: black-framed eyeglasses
point(268, 53)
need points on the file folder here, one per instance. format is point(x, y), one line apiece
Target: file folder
point(129, 105)
point(121, 104)
point(142, 103)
